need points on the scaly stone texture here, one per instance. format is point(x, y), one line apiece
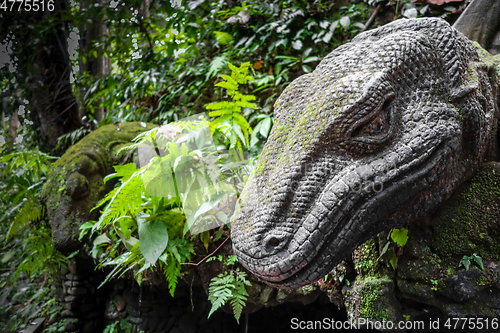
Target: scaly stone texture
point(75, 182)
point(379, 135)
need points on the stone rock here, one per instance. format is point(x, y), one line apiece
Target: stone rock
point(77, 291)
point(176, 330)
point(134, 312)
point(91, 326)
point(154, 321)
point(134, 320)
point(72, 324)
point(87, 307)
point(70, 283)
point(72, 298)
point(111, 313)
point(68, 314)
point(93, 314)
point(420, 292)
point(166, 324)
point(461, 287)
point(120, 302)
point(373, 299)
point(71, 306)
point(74, 277)
point(59, 294)
point(188, 323)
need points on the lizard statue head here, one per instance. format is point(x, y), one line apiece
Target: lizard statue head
point(377, 136)
point(75, 182)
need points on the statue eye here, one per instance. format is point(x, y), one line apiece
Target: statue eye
point(78, 186)
point(376, 126)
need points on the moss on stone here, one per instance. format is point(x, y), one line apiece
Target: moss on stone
point(468, 223)
point(75, 182)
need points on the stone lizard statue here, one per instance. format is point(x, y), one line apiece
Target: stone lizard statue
point(377, 136)
point(75, 182)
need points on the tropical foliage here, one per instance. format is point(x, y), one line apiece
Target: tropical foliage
point(166, 60)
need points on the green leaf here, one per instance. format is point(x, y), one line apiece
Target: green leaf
point(153, 237)
point(85, 228)
point(345, 22)
point(297, 44)
point(400, 236)
point(393, 259)
point(101, 239)
point(125, 171)
point(310, 59)
point(266, 127)
point(205, 207)
point(384, 250)
point(478, 260)
point(216, 65)
point(465, 262)
point(223, 37)
point(205, 239)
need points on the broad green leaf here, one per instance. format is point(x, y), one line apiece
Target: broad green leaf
point(223, 37)
point(393, 259)
point(400, 236)
point(266, 127)
point(153, 238)
point(205, 238)
point(297, 44)
point(205, 207)
point(326, 38)
point(85, 229)
point(465, 262)
point(478, 260)
point(345, 22)
point(310, 59)
point(101, 239)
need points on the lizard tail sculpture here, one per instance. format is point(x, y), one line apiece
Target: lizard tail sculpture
point(379, 135)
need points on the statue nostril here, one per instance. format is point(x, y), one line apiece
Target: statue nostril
point(273, 241)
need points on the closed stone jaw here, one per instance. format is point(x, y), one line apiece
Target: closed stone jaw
point(400, 108)
point(338, 216)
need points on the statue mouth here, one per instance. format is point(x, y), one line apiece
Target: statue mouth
point(308, 263)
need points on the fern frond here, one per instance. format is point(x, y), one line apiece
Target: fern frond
point(219, 105)
point(171, 270)
point(125, 197)
point(31, 211)
point(231, 88)
point(230, 80)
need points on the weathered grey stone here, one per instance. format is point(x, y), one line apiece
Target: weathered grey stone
point(77, 291)
point(70, 283)
point(461, 286)
point(72, 324)
point(74, 277)
point(379, 135)
point(373, 299)
point(72, 298)
point(134, 320)
point(120, 302)
point(81, 171)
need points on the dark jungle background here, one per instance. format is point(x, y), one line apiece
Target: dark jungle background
point(78, 65)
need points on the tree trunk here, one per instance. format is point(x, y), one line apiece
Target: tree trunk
point(39, 42)
point(481, 22)
point(97, 67)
